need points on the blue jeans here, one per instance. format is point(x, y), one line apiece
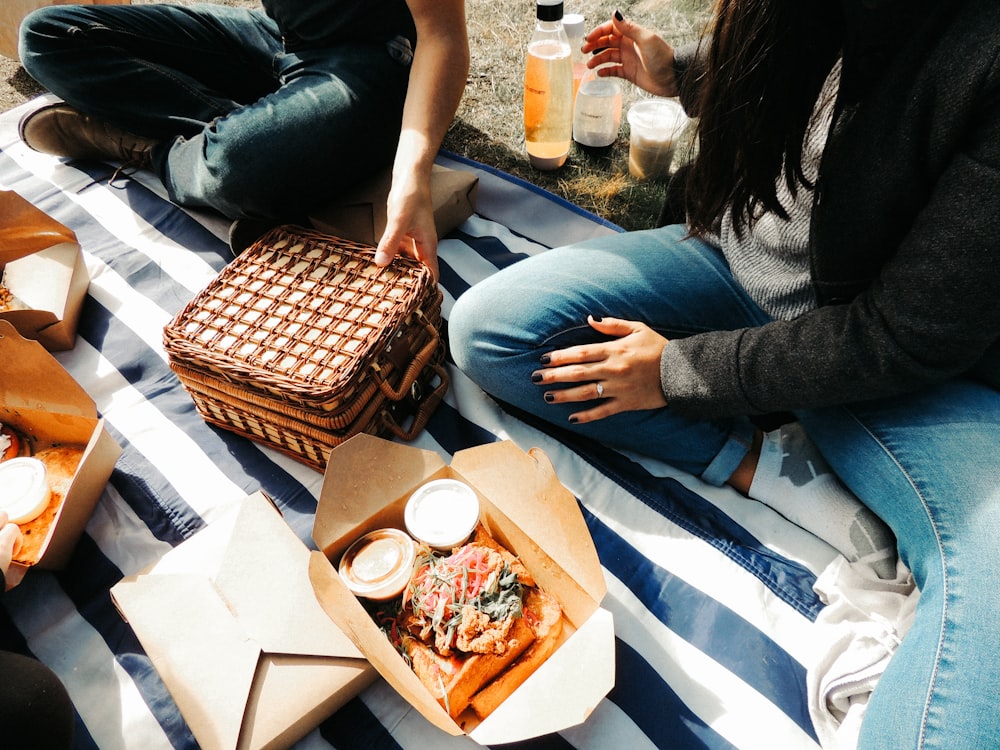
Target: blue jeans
point(248, 127)
point(927, 463)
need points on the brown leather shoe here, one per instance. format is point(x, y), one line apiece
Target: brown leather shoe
point(61, 130)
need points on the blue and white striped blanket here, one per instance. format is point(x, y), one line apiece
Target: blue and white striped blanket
point(711, 593)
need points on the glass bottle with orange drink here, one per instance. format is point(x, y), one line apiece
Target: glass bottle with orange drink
point(548, 89)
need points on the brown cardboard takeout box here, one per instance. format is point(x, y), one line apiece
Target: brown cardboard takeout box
point(527, 509)
point(43, 401)
point(361, 216)
point(42, 266)
point(229, 620)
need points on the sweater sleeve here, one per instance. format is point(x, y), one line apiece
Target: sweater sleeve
point(929, 315)
point(926, 313)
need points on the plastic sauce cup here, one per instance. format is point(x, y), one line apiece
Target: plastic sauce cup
point(379, 564)
point(24, 489)
point(655, 125)
point(442, 513)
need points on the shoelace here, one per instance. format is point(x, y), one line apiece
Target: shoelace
point(120, 175)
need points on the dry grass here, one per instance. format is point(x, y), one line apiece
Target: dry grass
point(488, 126)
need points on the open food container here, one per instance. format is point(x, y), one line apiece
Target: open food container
point(527, 510)
point(56, 420)
point(43, 279)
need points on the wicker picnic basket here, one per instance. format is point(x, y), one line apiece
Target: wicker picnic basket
point(302, 342)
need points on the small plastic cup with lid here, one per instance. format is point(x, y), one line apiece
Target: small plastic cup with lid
point(442, 513)
point(656, 125)
point(24, 489)
point(379, 564)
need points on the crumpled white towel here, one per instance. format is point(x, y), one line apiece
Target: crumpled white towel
point(863, 622)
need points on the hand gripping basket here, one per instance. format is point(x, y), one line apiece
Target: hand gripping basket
point(302, 342)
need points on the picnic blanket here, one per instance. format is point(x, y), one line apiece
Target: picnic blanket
point(712, 594)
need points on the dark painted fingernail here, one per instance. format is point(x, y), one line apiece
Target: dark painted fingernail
point(619, 16)
point(536, 377)
point(597, 318)
point(573, 420)
point(550, 397)
point(545, 359)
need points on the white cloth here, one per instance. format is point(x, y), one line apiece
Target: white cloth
point(863, 622)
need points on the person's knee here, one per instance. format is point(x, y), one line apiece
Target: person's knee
point(33, 37)
point(463, 329)
point(44, 32)
point(41, 23)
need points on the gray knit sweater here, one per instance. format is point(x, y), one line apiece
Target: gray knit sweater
point(904, 233)
point(771, 259)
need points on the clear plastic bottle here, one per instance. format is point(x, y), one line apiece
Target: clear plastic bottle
point(548, 89)
point(597, 115)
point(573, 23)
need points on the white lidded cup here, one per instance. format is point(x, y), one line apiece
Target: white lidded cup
point(379, 564)
point(24, 489)
point(655, 126)
point(442, 513)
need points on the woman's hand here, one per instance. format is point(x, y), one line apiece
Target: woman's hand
point(635, 54)
point(624, 373)
point(10, 540)
point(410, 229)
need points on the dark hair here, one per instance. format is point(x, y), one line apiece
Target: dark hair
point(767, 61)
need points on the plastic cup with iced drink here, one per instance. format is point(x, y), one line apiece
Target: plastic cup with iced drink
point(655, 126)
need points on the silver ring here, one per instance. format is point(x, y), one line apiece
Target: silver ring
point(600, 391)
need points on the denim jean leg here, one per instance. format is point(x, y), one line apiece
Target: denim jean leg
point(929, 464)
point(156, 70)
point(333, 122)
point(499, 328)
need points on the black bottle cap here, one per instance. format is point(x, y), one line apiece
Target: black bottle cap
point(549, 11)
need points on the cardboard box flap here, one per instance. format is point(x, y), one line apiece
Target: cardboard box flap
point(230, 621)
point(361, 215)
point(44, 274)
point(583, 666)
point(248, 571)
point(344, 608)
point(534, 499)
point(24, 361)
point(27, 229)
point(201, 652)
point(349, 494)
point(42, 280)
point(251, 557)
point(96, 464)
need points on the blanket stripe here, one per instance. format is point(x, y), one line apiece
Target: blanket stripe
point(711, 594)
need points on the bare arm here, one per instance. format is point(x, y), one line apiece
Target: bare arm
point(437, 80)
